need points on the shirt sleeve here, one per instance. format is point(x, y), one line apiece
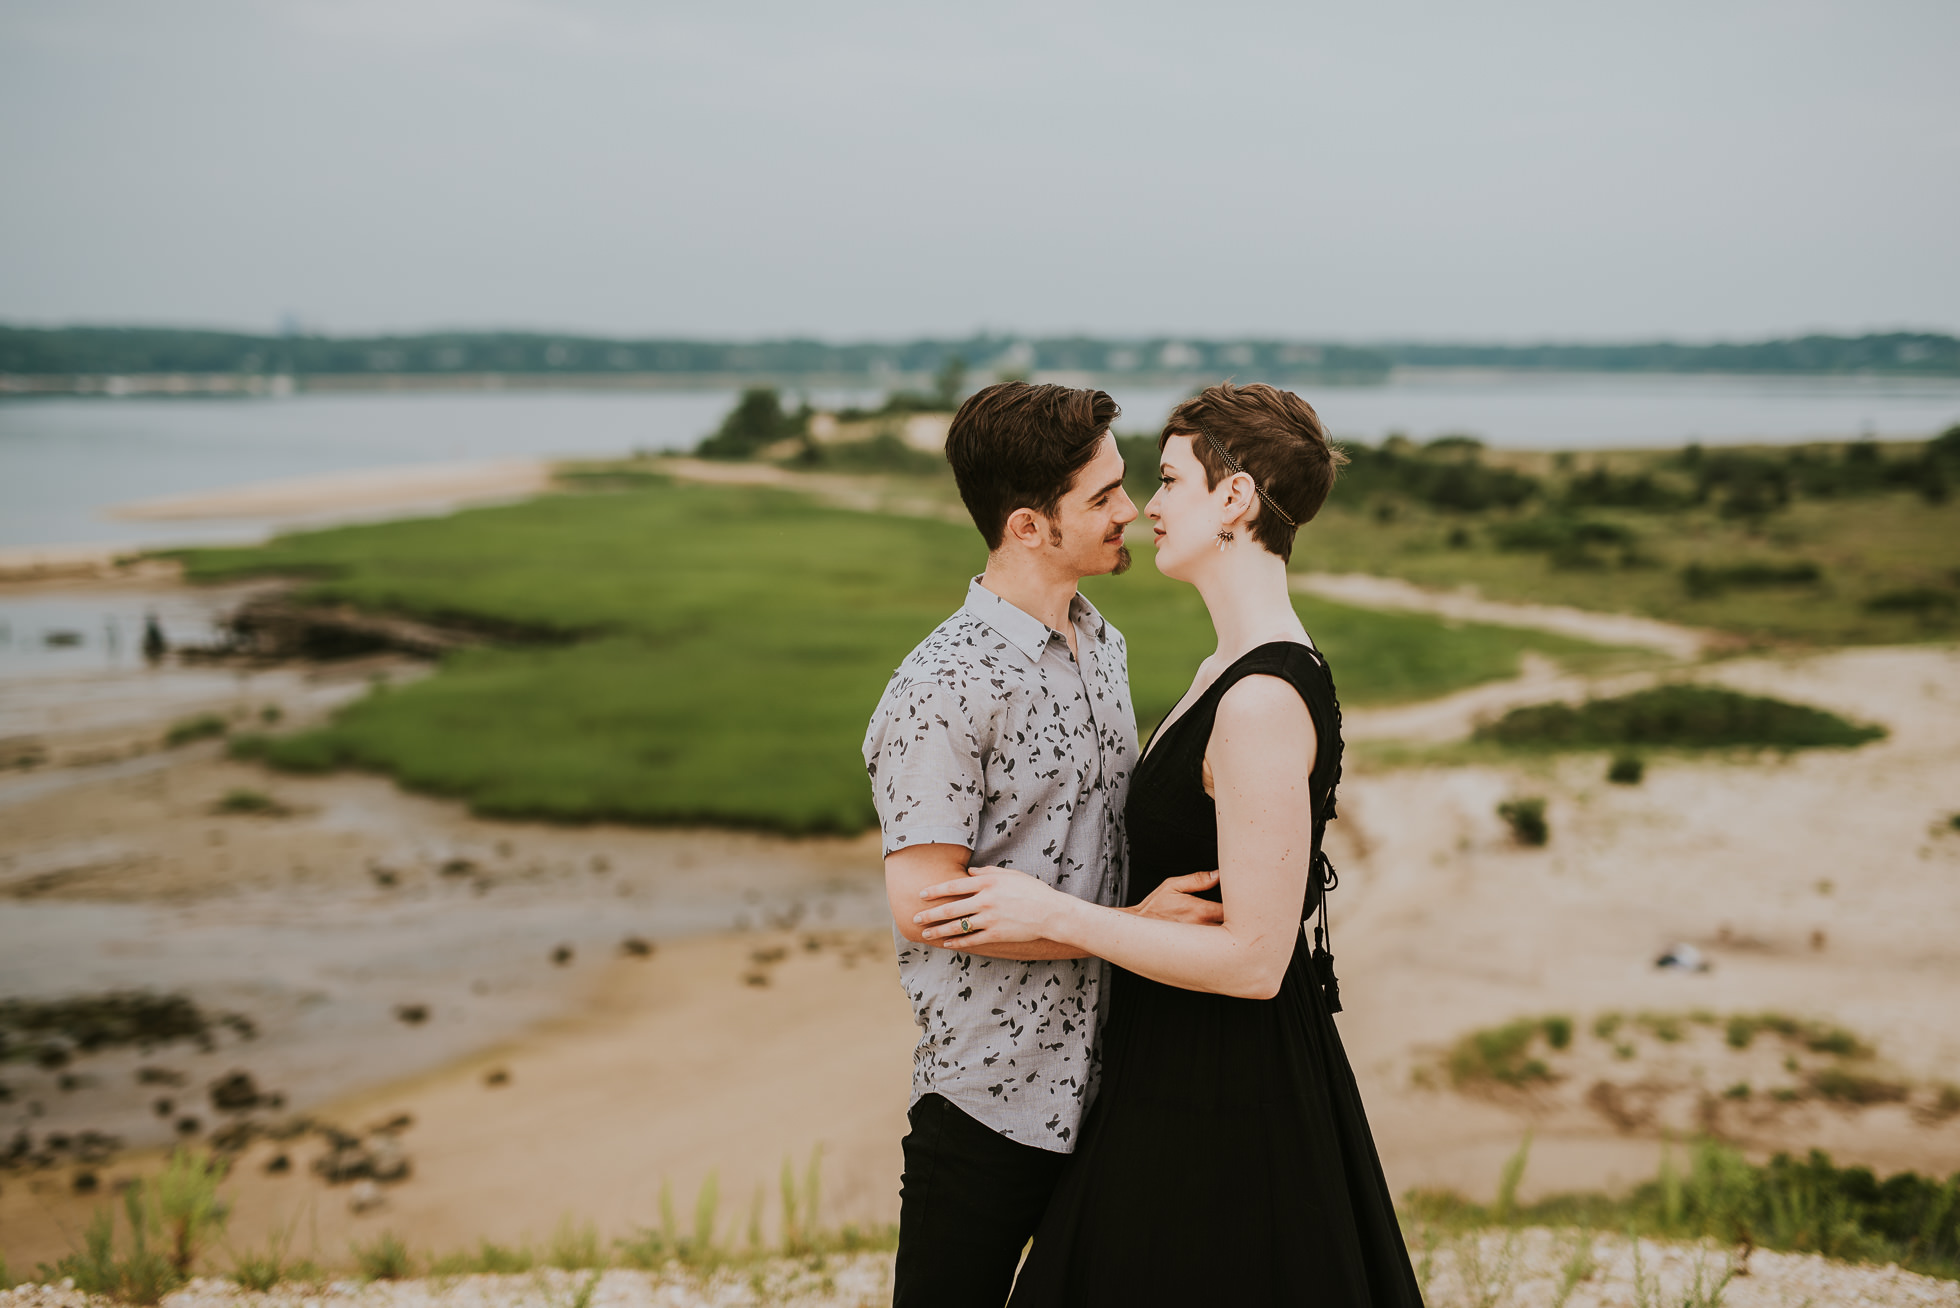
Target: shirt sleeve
point(924, 758)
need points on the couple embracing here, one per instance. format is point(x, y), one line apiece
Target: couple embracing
point(1128, 1051)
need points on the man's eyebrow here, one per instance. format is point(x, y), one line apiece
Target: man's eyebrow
point(1107, 489)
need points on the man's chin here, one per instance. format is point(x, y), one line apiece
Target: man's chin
point(1122, 561)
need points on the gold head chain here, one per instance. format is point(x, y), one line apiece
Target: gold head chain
point(1235, 466)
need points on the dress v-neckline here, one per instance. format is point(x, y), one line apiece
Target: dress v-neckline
point(1176, 717)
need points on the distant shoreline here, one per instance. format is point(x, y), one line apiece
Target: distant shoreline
point(209, 385)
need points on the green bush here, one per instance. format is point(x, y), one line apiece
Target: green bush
point(1626, 770)
point(1679, 715)
point(384, 1258)
point(757, 420)
point(1526, 818)
point(1803, 1205)
point(1503, 1054)
point(262, 1269)
point(205, 726)
point(249, 803)
point(1706, 580)
point(1925, 601)
point(180, 1207)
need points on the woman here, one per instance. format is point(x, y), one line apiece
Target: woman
point(1227, 1158)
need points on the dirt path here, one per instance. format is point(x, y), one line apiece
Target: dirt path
point(1372, 592)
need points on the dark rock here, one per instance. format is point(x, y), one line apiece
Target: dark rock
point(235, 1092)
point(561, 955)
point(497, 1076)
point(158, 1076)
point(635, 947)
point(412, 1014)
point(164, 1107)
point(86, 1182)
point(279, 1164)
point(458, 867)
point(189, 1126)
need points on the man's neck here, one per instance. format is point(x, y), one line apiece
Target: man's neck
point(1038, 594)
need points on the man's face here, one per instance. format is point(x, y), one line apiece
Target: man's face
point(1087, 529)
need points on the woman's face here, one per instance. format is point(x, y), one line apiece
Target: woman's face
point(1186, 514)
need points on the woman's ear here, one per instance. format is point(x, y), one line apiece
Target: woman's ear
point(1241, 501)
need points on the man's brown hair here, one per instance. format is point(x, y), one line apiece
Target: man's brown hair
point(1277, 439)
point(1016, 446)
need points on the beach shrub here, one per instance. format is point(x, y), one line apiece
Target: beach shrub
point(205, 726)
point(250, 803)
point(188, 1210)
point(1526, 818)
point(1448, 474)
point(1604, 489)
point(1924, 602)
point(1678, 715)
point(142, 1274)
point(1626, 770)
point(1568, 542)
point(757, 420)
point(384, 1258)
point(487, 1259)
point(1799, 1205)
point(576, 1248)
point(1707, 580)
point(1503, 1054)
point(262, 1269)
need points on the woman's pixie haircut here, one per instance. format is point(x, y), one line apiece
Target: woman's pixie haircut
point(1277, 440)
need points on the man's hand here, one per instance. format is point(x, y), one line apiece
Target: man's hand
point(1176, 900)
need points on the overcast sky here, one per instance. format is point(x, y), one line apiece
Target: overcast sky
point(1495, 171)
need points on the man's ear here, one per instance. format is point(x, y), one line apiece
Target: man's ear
point(1027, 528)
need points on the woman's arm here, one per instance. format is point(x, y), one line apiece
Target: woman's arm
point(1261, 754)
point(910, 870)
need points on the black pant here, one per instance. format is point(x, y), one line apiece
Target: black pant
point(969, 1202)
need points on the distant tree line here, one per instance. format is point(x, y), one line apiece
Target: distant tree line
point(108, 351)
point(1893, 353)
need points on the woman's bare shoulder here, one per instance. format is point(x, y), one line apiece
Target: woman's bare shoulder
point(1262, 701)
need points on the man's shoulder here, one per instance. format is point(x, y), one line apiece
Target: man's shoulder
point(962, 650)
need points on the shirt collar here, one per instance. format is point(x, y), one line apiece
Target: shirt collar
point(1022, 629)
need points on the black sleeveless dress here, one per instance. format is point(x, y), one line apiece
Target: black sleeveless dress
point(1227, 1159)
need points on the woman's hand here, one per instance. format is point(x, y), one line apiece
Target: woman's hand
point(990, 906)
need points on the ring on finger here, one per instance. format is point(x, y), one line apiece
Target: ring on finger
point(966, 927)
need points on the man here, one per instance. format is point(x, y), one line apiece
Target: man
point(1007, 739)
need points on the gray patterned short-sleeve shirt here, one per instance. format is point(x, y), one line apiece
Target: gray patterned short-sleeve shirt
point(991, 735)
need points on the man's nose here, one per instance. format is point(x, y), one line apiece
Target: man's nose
point(1126, 512)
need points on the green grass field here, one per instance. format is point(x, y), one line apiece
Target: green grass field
point(674, 654)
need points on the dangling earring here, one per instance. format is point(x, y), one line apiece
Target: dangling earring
point(1224, 538)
